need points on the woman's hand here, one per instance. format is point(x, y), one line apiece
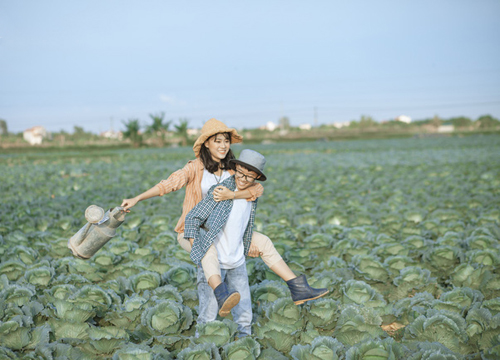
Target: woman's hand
point(253, 251)
point(222, 193)
point(128, 203)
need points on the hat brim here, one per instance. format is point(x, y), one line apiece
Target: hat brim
point(262, 177)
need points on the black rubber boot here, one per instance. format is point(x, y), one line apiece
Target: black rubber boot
point(225, 299)
point(302, 292)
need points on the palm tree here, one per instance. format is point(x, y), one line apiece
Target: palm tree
point(181, 130)
point(132, 132)
point(159, 128)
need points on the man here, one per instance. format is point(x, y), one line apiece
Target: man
point(227, 224)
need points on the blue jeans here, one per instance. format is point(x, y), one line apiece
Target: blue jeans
point(235, 279)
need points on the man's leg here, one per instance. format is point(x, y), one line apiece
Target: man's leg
point(237, 279)
point(207, 304)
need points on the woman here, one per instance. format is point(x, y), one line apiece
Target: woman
point(211, 166)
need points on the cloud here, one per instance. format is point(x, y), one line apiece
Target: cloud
point(171, 100)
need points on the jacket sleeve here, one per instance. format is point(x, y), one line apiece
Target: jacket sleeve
point(177, 179)
point(199, 215)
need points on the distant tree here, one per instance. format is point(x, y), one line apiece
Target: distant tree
point(3, 128)
point(460, 121)
point(181, 130)
point(284, 123)
point(487, 122)
point(132, 132)
point(366, 122)
point(436, 121)
point(159, 127)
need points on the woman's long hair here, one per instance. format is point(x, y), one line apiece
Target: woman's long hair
point(210, 164)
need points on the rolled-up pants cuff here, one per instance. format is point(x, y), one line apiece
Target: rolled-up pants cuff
point(209, 263)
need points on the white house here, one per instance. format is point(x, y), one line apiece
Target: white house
point(443, 129)
point(305, 127)
point(35, 135)
point(339, 125)
point(270, 126)
point(403, 118)
point(110, 134)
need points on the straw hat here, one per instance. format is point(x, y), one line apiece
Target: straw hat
point(212, 127)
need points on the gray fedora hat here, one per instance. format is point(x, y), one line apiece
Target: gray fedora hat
point(253, 161)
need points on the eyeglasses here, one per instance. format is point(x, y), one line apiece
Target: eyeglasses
point(247, 178)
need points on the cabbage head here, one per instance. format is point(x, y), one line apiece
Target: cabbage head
point(443, 259)
point(241, 349)
point(17, 295)
point(445, 327)
point(204, 351)
point(377, 349)
point(323, 347)
point(280, 324)
point(182, 276)
point(145, 280)
point(483, 328)
point(132, 351)
point(13, 269)
point(360, 293)
point(459, 300)
point(357, 323)
point(268, 291)
point(166, 317)
point(413, 278)
point(485, 257)
point(17, 335)
point(323, 313)
point(469, 275)
point(39, 276)
point(128, 315)
point(106, 339)
point(408, 309)
point(216, 332)
point(369, 268)
point(433, 351)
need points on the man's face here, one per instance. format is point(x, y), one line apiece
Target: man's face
point(244, 177)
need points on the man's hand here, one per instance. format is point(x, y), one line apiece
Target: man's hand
point(253, 251)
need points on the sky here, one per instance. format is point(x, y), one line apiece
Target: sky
point(98, 63)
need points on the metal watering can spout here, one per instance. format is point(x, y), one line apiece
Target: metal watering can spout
point(101, 227)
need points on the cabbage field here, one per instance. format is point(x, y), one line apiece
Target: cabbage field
point(404, 232)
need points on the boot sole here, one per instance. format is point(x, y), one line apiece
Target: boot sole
point(299, 302)
point(230, 303)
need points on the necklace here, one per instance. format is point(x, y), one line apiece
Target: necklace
point(220, 177)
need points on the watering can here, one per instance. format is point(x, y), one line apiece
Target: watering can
point(101, 227)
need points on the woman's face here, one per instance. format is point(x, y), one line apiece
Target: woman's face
point(218, 146)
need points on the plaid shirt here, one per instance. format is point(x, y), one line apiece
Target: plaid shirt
point(207, 219)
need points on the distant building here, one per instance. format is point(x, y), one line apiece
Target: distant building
point(339, 125)
point(445, 129)
point(35, 135)
point(403, 118)
point(110, 134)
point(193, 132)
point(305, 127)
point(270, 126)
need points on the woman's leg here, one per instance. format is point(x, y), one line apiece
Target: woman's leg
point(271, 257)
point(299, 287)
point(209, 263)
